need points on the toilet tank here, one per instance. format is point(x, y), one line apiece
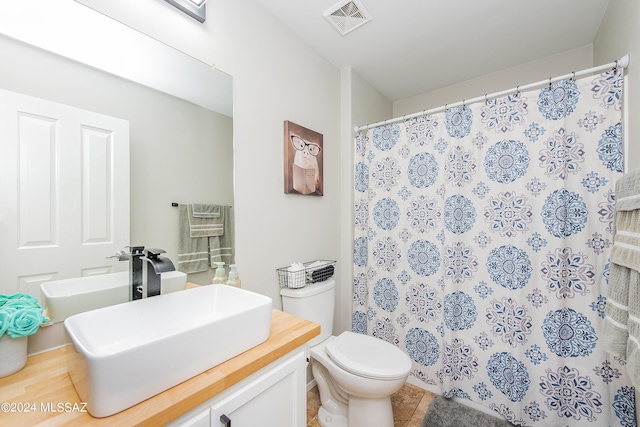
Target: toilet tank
point(314, 302)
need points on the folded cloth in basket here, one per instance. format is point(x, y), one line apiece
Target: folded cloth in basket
point(321, 274)
point(319, 271)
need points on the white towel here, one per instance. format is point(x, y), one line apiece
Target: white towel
point(633, 328)
point(622, 321)
point(616, 334)
point(626, 240)
point(628, 191)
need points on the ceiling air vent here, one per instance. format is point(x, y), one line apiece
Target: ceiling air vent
point(347, 16)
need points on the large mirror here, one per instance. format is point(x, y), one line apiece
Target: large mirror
point(179, 112)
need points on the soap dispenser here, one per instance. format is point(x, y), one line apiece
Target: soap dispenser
point(220, 277)
point(234, 280)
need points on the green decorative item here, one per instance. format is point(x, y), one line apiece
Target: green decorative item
point(20, 316)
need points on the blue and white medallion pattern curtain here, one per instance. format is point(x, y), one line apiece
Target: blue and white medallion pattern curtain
point(482, 238)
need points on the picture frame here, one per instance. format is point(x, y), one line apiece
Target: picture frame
point(303, 160)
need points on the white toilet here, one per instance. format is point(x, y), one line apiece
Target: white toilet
point(356, 374)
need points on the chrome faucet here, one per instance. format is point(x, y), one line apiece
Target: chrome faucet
point(155, 266)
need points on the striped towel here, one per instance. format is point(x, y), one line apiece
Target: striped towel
point(622, 322)
point(193, 252)
point(222, 247)
point(203, 223)
point(628, 191)
point(205, 210)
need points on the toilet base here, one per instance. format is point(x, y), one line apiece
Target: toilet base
point(362, 413)
point(370, 412)
point(327, 419)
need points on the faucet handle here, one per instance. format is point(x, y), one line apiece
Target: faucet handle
point(154, 253)
point(121, 255)
point(136, 250)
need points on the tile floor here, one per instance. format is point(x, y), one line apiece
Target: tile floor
point(410, 403)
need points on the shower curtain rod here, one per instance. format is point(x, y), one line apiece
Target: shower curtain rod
point(622, 63)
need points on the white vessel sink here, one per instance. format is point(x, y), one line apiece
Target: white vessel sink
point(64, 298)
point(126, 353)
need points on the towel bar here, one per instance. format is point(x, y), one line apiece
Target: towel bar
point(175, 205)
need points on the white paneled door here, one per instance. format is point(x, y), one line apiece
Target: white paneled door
point(64, 177)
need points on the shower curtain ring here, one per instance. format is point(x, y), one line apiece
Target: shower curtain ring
point(485, 99)
point(518, 91)
point(573, 78)
point(463, 104)
point(615, 67)
point(549, 82)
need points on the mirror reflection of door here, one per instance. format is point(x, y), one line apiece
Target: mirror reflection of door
point(65, 191)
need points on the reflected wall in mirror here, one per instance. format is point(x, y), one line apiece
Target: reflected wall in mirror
point(179, 151)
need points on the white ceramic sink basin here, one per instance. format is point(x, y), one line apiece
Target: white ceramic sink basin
point(64, 298)
point(126, 353)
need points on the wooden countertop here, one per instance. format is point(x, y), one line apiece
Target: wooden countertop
point(43, 394)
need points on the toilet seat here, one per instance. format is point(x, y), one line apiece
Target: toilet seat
point(368, 357)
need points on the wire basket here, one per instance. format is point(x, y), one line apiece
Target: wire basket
point(314, 271)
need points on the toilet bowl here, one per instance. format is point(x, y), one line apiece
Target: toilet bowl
point(356, 374)
point(361, 373)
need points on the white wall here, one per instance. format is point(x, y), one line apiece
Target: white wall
point(368, 104)
point(619, 34)
point(530, 72)
point(277, 77)
point(361, 103)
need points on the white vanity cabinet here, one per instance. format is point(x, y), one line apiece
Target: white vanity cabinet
point(194, 418)
point(274, 396)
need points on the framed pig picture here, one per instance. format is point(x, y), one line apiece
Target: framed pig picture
point(303, 154)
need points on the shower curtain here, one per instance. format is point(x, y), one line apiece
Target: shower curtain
point(482, 238)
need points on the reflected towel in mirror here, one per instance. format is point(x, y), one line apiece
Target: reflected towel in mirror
point(193, 252)
point(205, 224)
point(205, 210)
point(222, 247)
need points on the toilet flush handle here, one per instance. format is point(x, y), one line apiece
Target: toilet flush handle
point(226, 421)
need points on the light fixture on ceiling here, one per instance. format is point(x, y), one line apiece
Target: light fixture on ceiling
point(194, 8)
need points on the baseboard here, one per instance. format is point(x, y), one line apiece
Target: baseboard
point(311, 384)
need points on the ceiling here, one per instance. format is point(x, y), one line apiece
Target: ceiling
point(416, 46)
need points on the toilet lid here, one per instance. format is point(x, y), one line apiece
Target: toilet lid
point(368, 356)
